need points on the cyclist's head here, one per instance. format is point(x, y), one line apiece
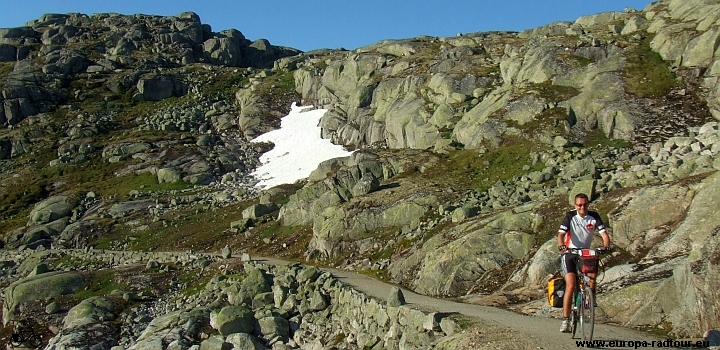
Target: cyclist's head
point(581, 203)
point(581, 195)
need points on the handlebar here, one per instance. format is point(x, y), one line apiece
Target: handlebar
point(588, 252)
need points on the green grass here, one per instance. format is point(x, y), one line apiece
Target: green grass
point(597, 138)
point(98, 283)
point(146, 182)
point(463, 322)
point(646, 74)
point(5, 69)
point(550, 92)
point(194, 228)
point(574, 61)
point(195, 282)
point(273, 229)
point(225, 85)
point(467, 169)
point(17, 198)
point(284, 81)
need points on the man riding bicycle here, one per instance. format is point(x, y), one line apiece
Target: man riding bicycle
point(576, 231)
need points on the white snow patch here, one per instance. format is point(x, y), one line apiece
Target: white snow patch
point(298, 148)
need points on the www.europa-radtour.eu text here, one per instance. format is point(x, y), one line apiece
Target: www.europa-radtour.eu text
point(637, 344)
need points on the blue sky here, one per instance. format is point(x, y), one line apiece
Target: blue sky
point(314, 24)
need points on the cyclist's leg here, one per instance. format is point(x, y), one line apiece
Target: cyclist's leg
point(592, 280)
point(568, 264)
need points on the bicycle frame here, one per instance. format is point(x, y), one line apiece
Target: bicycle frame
point(583, 309)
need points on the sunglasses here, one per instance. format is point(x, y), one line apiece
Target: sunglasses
point(582, 205)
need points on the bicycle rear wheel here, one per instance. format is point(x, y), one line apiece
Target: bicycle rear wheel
point(587, 315)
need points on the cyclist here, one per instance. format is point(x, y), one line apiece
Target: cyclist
point(576, 231)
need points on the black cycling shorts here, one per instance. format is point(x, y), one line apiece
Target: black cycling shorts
point(568, 262)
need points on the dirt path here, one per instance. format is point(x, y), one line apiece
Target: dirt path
point(498, 327)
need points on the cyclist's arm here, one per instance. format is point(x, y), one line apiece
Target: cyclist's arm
point(561, 238)
point(605, 238)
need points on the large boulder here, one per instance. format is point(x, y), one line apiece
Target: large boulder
point(700, 222)
point(125, 149)
point(16, 35)
point(543, 263)
point(8, 53)
point(65, 62)
point(647, 214)
point(39, 287)
point(88, 324)
point(333, 182)
point(257, 210)
point(160, 87)
point(482, 246)
point(173, 326)
point(259, 54)
point(243, 292)
point(234, 319)
point(121, 210)
point(670, 41)
point(169, 175)
point(51, 209)
point(244, 341)
point(700, 50)
point(223, 51)
point(334, 224)
point(274, 326)
point(90, 310)
point(475, 127)
point(17, 109)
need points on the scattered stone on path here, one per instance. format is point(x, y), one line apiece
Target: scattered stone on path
point(226, 252)
point(152, 264)
point(52, 308)
point(396, 297)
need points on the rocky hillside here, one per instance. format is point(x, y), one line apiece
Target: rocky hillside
point(131, 133)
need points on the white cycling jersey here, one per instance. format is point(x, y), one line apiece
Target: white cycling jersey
point(579, 230)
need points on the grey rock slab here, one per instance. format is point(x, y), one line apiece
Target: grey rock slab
point(396, 297)
point(124, 209)
point(50, 209)
point(42, 286)
point(235, 319)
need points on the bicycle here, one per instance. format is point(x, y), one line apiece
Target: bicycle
point(583, 306)
point(24, 335)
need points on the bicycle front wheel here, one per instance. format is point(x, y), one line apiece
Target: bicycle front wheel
point(574, 315)
point(587, 315)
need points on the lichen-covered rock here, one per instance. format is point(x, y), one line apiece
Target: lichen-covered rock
point(244, 341)
point(235, 319)
point(257, 210)
point(252, 284)
point(160, 87)
point(274, 326)
point(38, 287)
point(51, 209)
point(225, 51)
point(168, 175)
point(171, 326)
point(638, 225)
point(481, 246)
